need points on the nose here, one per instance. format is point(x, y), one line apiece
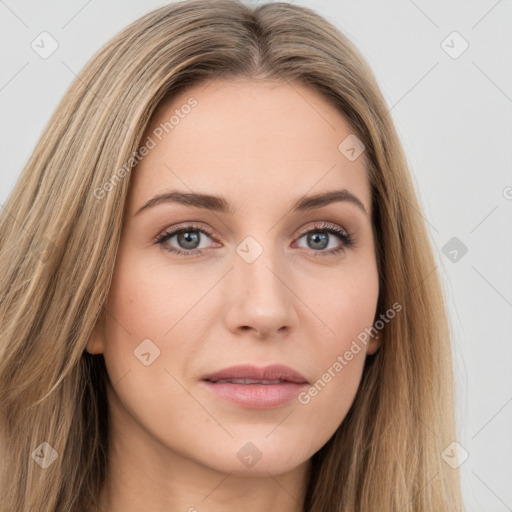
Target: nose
point(260, 295)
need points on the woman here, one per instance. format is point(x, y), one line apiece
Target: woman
point(216, 289)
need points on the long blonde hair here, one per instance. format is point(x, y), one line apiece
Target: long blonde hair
point(60, 229)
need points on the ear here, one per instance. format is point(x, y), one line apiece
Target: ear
point(96, 343)
point(373, 344)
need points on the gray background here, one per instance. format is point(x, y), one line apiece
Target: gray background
point(454, 119)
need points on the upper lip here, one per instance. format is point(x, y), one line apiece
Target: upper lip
point(246, 371)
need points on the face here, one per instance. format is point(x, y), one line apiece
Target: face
point(259, 282)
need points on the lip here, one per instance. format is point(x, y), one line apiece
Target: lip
point(256, 395)
point(247, 371)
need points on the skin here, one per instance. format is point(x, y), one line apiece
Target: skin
point(174, 444)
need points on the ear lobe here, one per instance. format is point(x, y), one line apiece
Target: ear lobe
point(373, 345)
point(96, 343)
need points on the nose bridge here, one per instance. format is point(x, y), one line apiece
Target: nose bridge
point(259, 262)
point(259, 289)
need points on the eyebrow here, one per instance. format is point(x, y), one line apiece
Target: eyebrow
point(221, 205)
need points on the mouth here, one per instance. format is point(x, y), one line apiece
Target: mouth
point(249, 374)
point(248, 381)
point(256, 388)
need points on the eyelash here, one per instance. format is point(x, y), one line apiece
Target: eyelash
point(347, 239)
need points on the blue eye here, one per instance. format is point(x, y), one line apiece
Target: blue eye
point(189, 237)
point(319, 235)
point(186, 235)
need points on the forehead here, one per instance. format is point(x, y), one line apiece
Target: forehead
point(246, 139)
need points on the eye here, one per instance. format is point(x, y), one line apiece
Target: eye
point(188, 237)
point(318, 238)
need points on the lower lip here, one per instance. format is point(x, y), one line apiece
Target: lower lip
point(257, 396)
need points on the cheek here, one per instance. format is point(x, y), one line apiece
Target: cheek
point(145, 310)
point(153, 308)
point(148, 299)
point(344, 299)
point(346, 304)
point(135, 306)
